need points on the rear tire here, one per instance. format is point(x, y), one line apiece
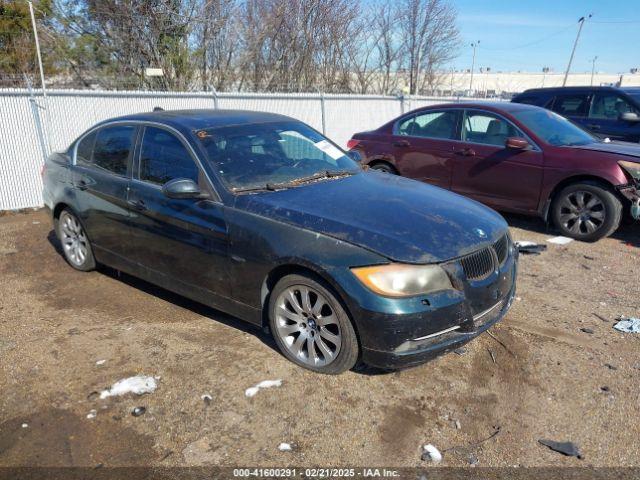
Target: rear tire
point(586, 211)
point(311, 327)
point(75, 243)
point(385, 168)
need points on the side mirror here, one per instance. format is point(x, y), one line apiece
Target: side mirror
point(516, 143)
point(182, 188)
point(630, 117)
point(355, 155)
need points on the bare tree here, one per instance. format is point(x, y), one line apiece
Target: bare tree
point(430, 38)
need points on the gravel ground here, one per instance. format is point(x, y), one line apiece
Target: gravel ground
point(550, 379)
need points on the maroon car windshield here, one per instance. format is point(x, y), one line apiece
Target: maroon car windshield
point(552, 128)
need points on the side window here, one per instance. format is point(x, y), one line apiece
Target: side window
point(112, 148)
point(575, 105)
point(85, 149)
point(609, 106)
point(163, 157)
point(442, 124)
point(488, 129)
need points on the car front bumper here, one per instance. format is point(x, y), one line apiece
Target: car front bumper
point(411, 331)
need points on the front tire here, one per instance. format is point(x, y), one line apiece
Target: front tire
point(311, 327)
point(75, 243)
point(586, 211)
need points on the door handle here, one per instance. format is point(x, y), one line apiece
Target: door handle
point(594, 127)
point(137, 205)
point(466, 152)
point(401, 143)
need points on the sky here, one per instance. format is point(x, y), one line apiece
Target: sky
point(526, 35)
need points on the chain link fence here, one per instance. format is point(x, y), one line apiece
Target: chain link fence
point(33, 124)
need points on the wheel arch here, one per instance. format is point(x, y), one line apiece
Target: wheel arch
point(302, 268)
point(384, 161)
point(585, 178)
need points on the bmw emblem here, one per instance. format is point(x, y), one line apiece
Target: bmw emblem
point(481, 233)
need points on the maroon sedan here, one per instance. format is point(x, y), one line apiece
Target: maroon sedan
point(516, 158)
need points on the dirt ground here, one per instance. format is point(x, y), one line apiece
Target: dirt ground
point(549, 380)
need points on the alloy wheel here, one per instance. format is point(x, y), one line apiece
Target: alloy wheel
point(582, 212)
point(307, 325)
point(74, 241)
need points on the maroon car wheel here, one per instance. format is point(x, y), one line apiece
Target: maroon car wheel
point(586, 211)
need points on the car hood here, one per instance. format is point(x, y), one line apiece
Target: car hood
point(400, 219)
point(627, 149)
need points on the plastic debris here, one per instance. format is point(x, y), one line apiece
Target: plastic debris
point(628, 325)
point(138, 411)
point(532, 248)
point(587, 330)
point(251, 391)
point(101, 362)
point(92, 414)
point(457, 424)
point(206, 398)
point(139, 385)
point(25, 425)
point(285, 447)
point(565, 448)
point(560, 240)
point(431, 453)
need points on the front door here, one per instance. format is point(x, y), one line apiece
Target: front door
point(423, 145)
point(179, 241)
point(605, 117)
point(101, 179)
point(484, 169)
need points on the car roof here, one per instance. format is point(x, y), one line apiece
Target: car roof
point(578, 89)
point(495, 106)
point(204, 118)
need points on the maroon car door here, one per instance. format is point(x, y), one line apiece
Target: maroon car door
point(486, 170)
point(423, 145)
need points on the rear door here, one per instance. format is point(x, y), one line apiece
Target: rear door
point(574, 106)
point(102, 164)
point(484, 169)
point(604, 117)
point(177, 240)
point(423, 145)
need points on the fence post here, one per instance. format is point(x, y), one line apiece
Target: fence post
point(401, 98)
point(323, 114)
point(215, 97)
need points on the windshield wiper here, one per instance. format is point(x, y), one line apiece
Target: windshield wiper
point(296, 181)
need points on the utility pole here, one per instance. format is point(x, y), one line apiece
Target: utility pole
point(593, 68)
point(473, 64)
point(44, 88)
point(575, 44)
point(545, 70)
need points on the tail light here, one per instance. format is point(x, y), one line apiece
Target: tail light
point(353, 143)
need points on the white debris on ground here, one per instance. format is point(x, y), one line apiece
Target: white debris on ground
point(251, 391)
point(206, 398)
point(525, 243)
point(140, 384)
point(101, 362)
point(560, 240)
point(92, 414)
point(285, 447)
point(431, 453)
point(25, 425)
point(628, 325)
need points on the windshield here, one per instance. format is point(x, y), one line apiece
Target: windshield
point(552, 128)
point(253, 156)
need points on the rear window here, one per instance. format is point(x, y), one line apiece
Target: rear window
point(85, 149)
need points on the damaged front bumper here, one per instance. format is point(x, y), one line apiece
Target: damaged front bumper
point(414, 335)
point(631, 191)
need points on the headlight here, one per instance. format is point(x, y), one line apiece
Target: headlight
point(399, 280)
point(631, 168)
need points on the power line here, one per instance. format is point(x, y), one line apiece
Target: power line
point(534, 42)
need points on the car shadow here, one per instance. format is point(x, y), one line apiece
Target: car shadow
point(628, 233)
point(200, 309)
